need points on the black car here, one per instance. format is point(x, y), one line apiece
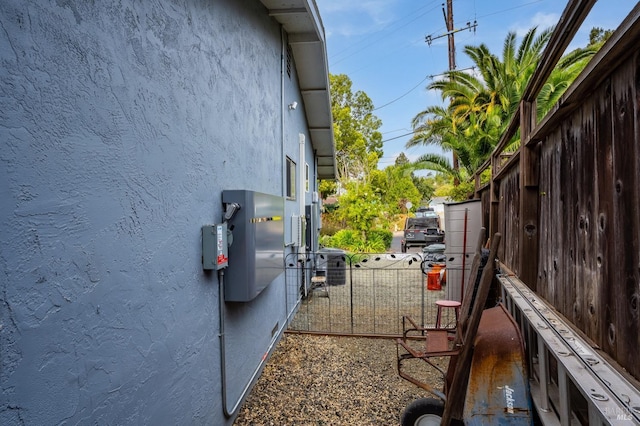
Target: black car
point(422, 231)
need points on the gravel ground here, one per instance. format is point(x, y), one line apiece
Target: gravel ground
point(325, 380)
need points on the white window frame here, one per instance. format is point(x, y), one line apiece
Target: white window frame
point(291, 179)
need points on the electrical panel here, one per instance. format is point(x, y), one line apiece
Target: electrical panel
point(256, 254)
point(215, 253)
point(298, 230)
point(312, 232)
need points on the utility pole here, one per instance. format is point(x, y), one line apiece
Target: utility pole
point(448, 19)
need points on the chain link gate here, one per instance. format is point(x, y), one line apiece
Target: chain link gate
point(360, 294)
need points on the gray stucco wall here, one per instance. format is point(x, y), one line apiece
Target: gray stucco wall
point(120, 124)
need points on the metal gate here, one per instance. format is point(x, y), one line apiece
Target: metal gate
point(360, 294)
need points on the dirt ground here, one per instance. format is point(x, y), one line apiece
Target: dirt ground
point(324, 380)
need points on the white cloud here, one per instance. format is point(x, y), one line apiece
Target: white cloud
point(540, 20)
point(372, 15)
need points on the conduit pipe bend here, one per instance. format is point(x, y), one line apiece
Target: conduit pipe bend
point(223, 362)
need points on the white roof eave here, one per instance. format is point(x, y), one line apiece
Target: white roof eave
point(301, 20)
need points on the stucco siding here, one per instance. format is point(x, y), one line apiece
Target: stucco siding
point(120, 125)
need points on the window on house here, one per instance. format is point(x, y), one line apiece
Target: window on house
point(306, 179)
point(291, 178)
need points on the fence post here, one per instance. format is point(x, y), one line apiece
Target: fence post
point(350, 289)
point(528, 232)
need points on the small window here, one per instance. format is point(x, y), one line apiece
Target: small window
point(306, 181)
point(291, 178)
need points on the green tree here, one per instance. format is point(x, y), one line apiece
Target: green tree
point(480, 108)
point(438, 126)
point(379, 182)
point(327, 188)
point(360, 207)
point(598, 36)
point(424, 186)
point(400, 190)
point(402, 160)
point(355, 130)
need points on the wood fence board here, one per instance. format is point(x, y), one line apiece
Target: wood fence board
point(567, 224)
point(508, 218)
point(548, 192)
point(587, 276)
point(588, 201)
point(623, 330)
point(605, 187)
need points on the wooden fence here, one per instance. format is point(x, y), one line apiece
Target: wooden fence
point(568, 201)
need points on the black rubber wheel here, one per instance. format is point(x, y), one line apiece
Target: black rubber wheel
point(423, 412)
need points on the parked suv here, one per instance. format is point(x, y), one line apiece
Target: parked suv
point(422, 230)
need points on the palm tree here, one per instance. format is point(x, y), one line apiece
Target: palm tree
point(480, 107)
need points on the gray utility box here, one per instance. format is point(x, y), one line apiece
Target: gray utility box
point(256, 254)
point(463, 222)
point(215, 254)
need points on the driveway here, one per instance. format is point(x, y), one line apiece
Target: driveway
point(395, 244)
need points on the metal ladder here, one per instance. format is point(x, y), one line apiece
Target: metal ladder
point(561, 362)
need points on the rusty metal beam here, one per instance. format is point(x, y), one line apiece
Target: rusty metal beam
point(458, 390)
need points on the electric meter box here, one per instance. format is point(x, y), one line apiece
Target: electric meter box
point(256, 254)
point(215, 253)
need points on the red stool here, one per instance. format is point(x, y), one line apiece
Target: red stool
point(447, 304)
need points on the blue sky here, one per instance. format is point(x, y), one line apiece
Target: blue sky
point(381, 46)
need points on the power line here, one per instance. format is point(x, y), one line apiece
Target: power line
point(376, 39)
point(431, 76)
point(429, 39)
point(403, 95)
point(395, 130)
point(445, 73)
point(511, 8)
point(397, 137)
point(380, 37)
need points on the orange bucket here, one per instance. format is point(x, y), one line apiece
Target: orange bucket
point(433, 278)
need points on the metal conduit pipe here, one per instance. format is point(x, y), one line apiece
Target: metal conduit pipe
point(223, 363)
point(283, 184)
point(283, 54)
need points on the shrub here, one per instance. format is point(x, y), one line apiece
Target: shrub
point(377, 241)
point(381, 237)
point(346, 239)
point(330, 224)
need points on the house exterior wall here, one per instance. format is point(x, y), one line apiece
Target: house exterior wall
point(121, 125)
